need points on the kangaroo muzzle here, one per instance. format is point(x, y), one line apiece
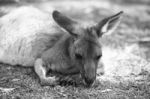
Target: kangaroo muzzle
point(89, 74)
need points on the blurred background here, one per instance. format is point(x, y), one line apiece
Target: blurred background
point(126, 52)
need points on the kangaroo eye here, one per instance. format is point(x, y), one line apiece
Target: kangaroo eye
point(78, 56)
point(98, 57)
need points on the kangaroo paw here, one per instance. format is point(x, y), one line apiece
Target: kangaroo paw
point(64, 81)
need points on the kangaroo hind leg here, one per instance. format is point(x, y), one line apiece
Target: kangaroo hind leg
point(41, 71)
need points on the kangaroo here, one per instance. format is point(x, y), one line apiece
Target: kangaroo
point(53, 42)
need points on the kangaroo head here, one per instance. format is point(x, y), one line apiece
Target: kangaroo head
point(85, 49)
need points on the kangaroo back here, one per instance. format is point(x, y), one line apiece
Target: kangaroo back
point(24, 34)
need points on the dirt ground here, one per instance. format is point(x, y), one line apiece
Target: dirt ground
point(125, 54)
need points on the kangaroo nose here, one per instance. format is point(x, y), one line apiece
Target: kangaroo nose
point(89, 82)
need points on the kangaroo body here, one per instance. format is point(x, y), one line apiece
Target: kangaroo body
point(52, 42)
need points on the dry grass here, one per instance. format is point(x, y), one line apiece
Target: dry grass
point(125, 56)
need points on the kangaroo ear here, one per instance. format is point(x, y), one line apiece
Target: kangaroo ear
point(65, 22)
point(108, 25)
